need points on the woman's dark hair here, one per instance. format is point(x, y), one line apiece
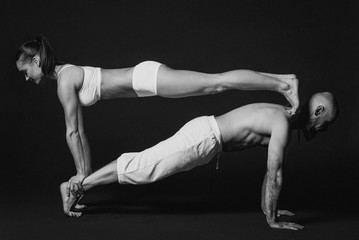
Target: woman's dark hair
point(41, 46)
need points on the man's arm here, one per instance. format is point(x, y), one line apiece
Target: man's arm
point(75, 137)
point(273, 180)
point(263, 206)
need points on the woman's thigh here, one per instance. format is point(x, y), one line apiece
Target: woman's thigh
point(173, 83)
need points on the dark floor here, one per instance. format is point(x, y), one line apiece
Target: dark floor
point(47, 222)
point(173, 217)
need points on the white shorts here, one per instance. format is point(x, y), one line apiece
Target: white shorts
point(195, 144)
point(144, 78)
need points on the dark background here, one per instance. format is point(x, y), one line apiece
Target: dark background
point(318, 41)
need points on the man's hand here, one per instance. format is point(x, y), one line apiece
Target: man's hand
point(285, 225)
point(74, 185)
point(284, 213)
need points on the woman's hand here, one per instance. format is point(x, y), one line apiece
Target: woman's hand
point(74, 185)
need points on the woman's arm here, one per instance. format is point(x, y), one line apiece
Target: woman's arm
point(75, 136)
point(84, 141)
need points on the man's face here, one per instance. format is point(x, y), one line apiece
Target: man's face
point(317, 123)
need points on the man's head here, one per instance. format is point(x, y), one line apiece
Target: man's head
point(321, 111)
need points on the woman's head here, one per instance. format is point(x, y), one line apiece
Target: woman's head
point(36, 60)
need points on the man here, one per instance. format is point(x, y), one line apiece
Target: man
point(201, 139)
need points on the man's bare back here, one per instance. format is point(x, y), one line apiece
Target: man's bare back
point(253, 125)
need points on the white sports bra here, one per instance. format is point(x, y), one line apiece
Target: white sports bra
point(90, 91)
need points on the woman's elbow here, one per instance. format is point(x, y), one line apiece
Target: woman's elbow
point(71, 134)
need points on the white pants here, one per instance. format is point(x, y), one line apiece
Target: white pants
point(195, 144)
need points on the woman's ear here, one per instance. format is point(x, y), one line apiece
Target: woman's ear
point(36, 59)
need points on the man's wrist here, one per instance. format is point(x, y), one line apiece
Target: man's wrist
point(271, 216)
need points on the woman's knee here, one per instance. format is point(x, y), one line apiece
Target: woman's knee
point(216, 83)
point(189, 83)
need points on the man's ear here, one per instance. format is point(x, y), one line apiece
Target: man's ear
point(319, 110)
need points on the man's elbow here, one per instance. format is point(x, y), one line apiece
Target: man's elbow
point(274, 178)
point(271, 175)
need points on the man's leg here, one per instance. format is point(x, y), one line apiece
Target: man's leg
point(193, 145)
point(105, 175)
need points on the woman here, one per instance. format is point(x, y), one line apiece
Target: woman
point(82, 86)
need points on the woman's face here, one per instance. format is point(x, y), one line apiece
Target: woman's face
point(30, 69)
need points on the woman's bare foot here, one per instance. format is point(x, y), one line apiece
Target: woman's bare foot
point(69, 202)
point(289, 89)
point(291, 93)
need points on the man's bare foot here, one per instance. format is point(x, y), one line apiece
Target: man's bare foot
point(68, 202)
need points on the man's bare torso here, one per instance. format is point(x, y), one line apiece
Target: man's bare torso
point(250, 125)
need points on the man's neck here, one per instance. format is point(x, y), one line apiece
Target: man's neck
point(300, 120)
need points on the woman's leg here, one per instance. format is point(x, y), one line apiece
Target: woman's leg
point(105, 175)
point(182, 83)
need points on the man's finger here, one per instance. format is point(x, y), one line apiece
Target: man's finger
point(81, 188)
point(78, 189)
point(74, 189)
point(293, 226)
point(299, 226)
point(284, 212)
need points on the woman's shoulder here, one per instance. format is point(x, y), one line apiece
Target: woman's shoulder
point(70, 74)
point(66, 67)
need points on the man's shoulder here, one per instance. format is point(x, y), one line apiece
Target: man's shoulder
point(274, 114)
point(271, 110)
point(280, 115)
